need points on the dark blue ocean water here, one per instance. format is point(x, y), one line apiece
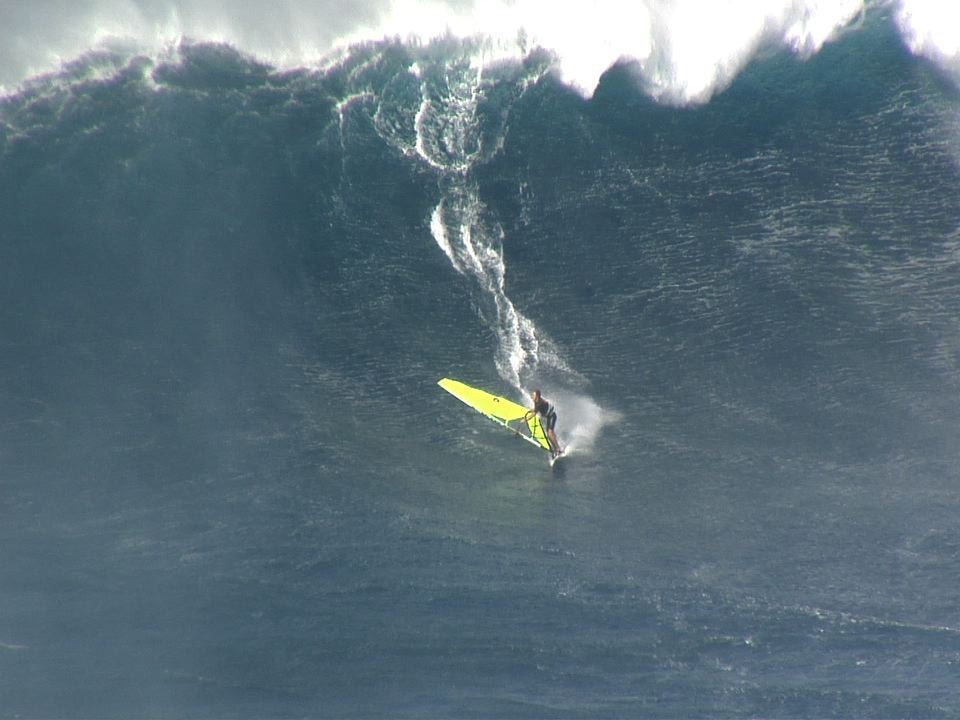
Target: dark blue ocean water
point(230, 487)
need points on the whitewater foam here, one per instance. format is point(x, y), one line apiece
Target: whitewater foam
point(932, 28)
point(683, 50)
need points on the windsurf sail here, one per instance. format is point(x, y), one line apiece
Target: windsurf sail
point(498, 409)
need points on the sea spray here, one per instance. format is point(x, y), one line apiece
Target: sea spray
point(580, 419)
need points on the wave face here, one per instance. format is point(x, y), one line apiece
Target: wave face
point(231, 486)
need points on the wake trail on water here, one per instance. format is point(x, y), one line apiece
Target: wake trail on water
point(432, 114)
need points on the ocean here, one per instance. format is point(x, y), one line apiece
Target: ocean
point(231, 488)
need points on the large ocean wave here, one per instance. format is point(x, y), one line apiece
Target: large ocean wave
point(446, 110)
point(234, 266)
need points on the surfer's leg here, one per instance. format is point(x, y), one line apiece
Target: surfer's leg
point(551, 433)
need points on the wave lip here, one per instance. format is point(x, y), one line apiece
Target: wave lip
point(698, 48)
point(932, 28)
point(684, 50)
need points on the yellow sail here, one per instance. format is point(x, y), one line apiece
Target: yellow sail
point(496, 408)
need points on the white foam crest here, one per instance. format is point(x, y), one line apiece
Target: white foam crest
point(932, 28)
point(691, 60)
point(685, 49)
